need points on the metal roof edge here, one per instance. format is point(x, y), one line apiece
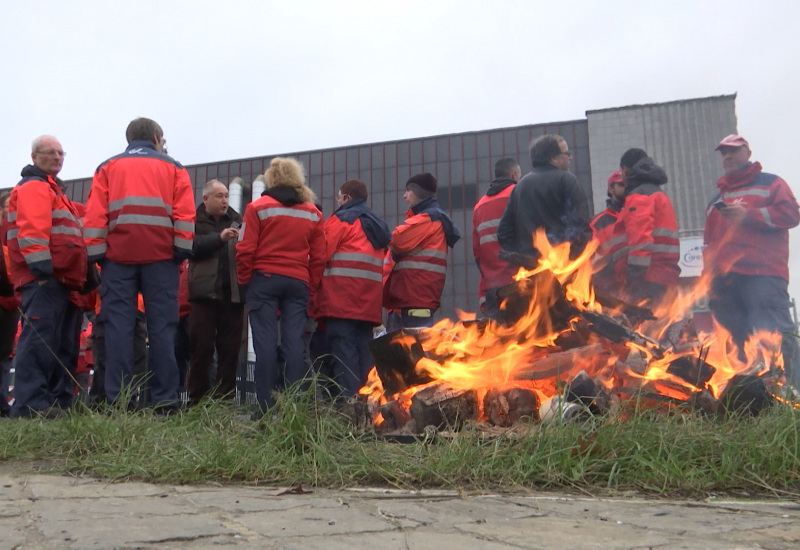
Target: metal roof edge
point(672, 102)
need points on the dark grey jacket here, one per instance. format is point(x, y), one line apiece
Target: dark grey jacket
point(549, 198)
point(212, 267)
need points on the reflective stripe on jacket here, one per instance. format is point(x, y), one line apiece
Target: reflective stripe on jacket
point(44, 232)
point(282, 240)
point(140, 207)
point(486, 216)
point(760, 244)
point(607, 244)
point(420, 269)
point(352, 282)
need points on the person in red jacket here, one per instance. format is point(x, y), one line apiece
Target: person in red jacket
point(48, 259)
point(140, 223)
point(603, 231)
point(414, 287)
point(494, 272)
point(9, 316)
point(647, 265)
point(747, 250)
point(280, 257)
point(348, 300)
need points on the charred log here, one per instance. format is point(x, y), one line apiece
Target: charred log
point(395, 356)
point(505, 408)
point(745, 394)
point(693, 370)
point(357, 410)
point(556, 364)
point(441, 406)
point(588, 392)
point(704, 401)
point(395, 416)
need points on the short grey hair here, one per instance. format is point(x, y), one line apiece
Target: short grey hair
point(38, 141)
point(210, 184)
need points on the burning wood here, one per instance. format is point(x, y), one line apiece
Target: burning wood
point(444, 407)
point(505, 408)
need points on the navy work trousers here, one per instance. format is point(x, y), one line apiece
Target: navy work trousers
point(158, 283)
point(41, 378)
point(745, 304)
point(348, 343)
point(266, 295)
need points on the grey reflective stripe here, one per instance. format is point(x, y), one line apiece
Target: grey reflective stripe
point(183, 243)
point(387, 260)
point(27, 241)
point(184, 226)
point(481, 300)
point(488, 224)
point(290, 212)
point(619, 253)
point(664, 232)
point(667, 248)
point(12, 216)
point(746, 192)
point(64, 214)
point(357, 273)
point(12, 233)
point(95, 232)
point(406, 264)
point(356, 257)
point(612, 242)
point(141, 219)
point(96, 249)
point(428, 253)
point(139, 201)
point(488, 239)
point(639, 260)
point(38, 256)
point(643, 246)
point(62, 230)
point(767, 218)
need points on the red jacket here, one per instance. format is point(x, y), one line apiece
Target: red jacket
point(140, 208)
point(760, 244)
point(485, 248)
point(603, 262)
point(282, 240)
point(647, 220)
point(43, 232)
point(352, 283)
point(417, 278)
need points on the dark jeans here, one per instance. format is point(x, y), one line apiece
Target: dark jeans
point(745, 304)
point(214, 325)
point(348, 342)
point(9, 320)
point(41, 378)
point(158, 283)
point(266, 295)
point(402, 319)
point(97, 393)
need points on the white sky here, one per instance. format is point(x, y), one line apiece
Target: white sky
point(239, 79)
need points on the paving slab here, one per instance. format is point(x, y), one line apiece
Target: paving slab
point(44, 512)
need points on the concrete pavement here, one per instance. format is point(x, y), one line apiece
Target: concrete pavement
point(57, 512)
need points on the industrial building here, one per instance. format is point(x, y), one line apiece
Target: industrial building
point(679, 135)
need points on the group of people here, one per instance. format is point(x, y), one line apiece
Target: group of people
point(281, 263)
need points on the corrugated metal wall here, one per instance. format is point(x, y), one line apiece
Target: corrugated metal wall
point(463, 164)
point(680, 136)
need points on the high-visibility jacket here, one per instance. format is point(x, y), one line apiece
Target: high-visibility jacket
point(419, 247)
point(652, 245)
point(760, 244)
point(486, 216)
point(281, 240)
point(603, 232)
point(44, 232)
point(352, 282)
point(140, 208)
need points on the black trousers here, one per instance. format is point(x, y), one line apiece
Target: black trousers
point(214, 325)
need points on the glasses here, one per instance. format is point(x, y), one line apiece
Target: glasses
point(51, 153)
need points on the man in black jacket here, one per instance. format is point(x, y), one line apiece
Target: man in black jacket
point(548, 197)
point(217, 314)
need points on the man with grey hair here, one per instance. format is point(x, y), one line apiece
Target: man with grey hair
point(48, 260)
point(549, 198)
point(217, 314)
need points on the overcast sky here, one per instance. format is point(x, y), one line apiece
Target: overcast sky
point(240, 79)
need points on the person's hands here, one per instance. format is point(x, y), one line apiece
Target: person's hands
point(733, 212)
point(228, 234)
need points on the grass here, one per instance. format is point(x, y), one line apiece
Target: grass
point(654, 453)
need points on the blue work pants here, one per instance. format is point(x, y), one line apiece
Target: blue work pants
point(348, 343)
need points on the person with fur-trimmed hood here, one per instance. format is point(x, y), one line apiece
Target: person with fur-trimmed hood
point(280, 257)
point(418, 254)
point(648, 264)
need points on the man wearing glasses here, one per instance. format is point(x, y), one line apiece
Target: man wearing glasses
point(549, 197)
point(747, 250)
point(48, 259)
